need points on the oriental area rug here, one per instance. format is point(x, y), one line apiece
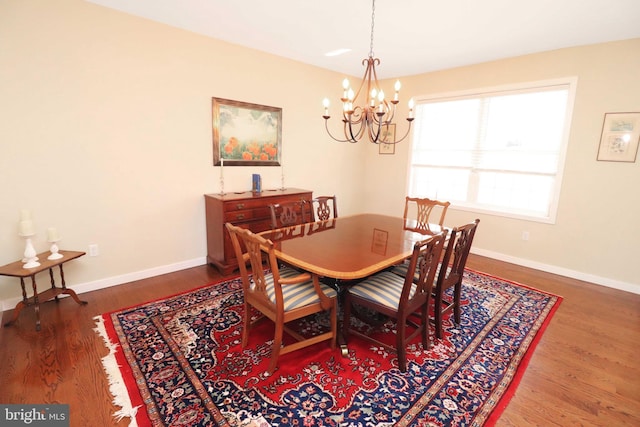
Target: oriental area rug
point(178, 361)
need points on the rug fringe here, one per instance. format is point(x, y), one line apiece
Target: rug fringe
point(117, 386)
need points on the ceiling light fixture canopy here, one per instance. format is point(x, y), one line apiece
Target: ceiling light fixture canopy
point(376, 114)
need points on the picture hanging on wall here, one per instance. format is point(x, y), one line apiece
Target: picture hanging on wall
point(246, 134)
point(620, 137)
point(388, 136)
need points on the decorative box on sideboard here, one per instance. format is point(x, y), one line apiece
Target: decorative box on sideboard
point(249, 210)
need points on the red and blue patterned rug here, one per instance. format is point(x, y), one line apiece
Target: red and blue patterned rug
point(178, 361)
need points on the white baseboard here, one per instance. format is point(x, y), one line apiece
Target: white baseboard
point(597, 280)
point(8, 304)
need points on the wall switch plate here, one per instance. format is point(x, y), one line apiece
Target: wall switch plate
point(93, 250)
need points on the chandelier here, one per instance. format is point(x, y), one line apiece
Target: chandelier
point(375, 115)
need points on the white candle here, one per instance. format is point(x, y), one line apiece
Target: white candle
point(25, 214)
point(26, 228)
point(221, 168)
point(52, 235)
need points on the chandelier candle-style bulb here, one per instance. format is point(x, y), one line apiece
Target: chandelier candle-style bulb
point(397, 87)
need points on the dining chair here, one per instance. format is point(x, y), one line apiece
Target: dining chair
point(323, 208)
point(458, 244)
point(424, 207)
point(290, 213)
point(451, 272)
point(280, 294)
point(399, 298)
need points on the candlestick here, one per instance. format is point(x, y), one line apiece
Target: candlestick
point(30, 254)
point(222, 176)
point(26, 230)
point(54, 251)
point(53, 238)
point(281, 177)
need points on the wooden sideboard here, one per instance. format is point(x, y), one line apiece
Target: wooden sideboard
point(249, 210)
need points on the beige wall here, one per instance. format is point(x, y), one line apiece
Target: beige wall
point(596, 234)
point(106, 135)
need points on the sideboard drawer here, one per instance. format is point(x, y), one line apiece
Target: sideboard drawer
point(240, 205)
point(238, 216)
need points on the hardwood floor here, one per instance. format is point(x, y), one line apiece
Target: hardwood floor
point(584, 372)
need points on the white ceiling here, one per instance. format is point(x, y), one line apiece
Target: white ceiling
point(410, 37)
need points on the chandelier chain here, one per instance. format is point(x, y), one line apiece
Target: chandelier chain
point(373, 19)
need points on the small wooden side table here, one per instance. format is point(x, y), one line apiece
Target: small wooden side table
point(16, 269)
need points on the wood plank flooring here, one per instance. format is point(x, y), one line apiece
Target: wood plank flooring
point(584, 372)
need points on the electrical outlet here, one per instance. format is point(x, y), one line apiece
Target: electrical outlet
point(525, 235)
point(93, 250)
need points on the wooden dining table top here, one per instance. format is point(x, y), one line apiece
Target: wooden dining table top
point(346, 248)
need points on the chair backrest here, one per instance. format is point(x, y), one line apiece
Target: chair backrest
point(316, 227)
point(323, 208)
point(254, 255)
point(290, 213)
point(459, 245)
point(423, 264)
point(424, 208)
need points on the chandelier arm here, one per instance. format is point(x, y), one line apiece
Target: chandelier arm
point(375, 138)
point(361, 122)
point(326, 125)
point(410, 120)
point(391, 113)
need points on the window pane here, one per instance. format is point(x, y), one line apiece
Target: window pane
point(524, 132)
point(436, 182)
point(499, 151)
point(515, 192)
point(445, 141)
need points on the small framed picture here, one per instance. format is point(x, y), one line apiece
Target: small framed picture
point(620, 137)
point(387, 136)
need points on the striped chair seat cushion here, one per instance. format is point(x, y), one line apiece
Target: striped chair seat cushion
point(297, 295)
point(384, 288)
point(401, 270)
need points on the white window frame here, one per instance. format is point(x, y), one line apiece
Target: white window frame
point(569, 82)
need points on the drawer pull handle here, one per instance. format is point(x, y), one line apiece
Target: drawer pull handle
point(240, 206)
point(241, 216)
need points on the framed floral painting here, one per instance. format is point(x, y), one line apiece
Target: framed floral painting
point(246, 134)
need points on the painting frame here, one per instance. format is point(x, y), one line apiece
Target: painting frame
point(387, 133)
point(246, 134)
point(620, 137)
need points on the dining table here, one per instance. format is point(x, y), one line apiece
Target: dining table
point(349, 247)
